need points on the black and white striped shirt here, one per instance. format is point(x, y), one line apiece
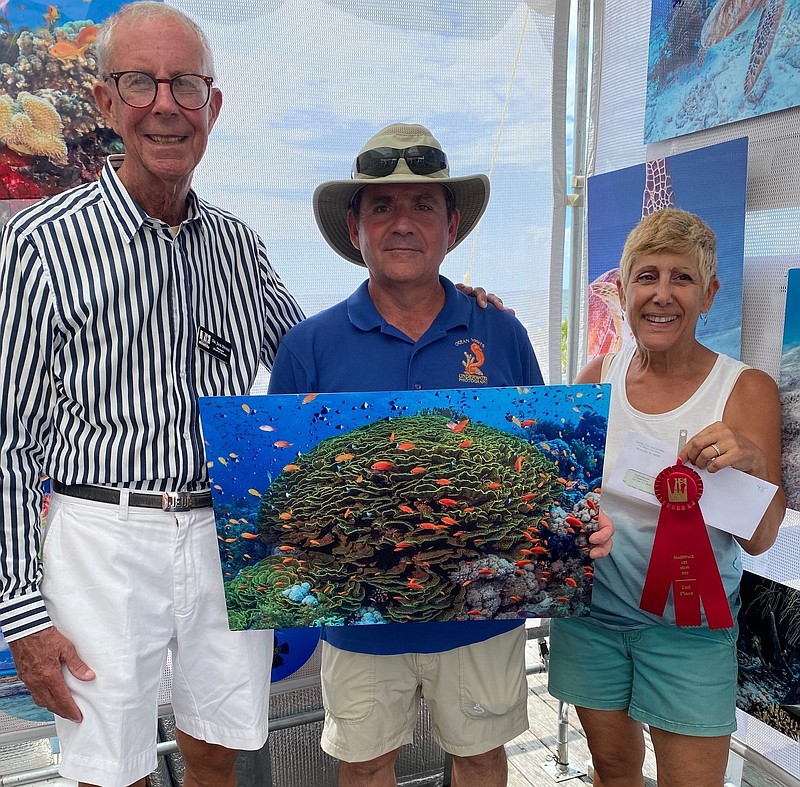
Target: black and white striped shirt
point(100, 370)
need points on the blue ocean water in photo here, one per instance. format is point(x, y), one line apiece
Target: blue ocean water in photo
point(306, 459)
point(692, 87)
point(23, 14)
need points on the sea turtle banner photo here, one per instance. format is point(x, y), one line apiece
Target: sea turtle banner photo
point(713, 62)
point(710, 182)
point(468, 504)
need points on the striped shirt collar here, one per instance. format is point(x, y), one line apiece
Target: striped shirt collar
point(123, 208)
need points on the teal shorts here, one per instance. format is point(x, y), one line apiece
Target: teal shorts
point(682, 680)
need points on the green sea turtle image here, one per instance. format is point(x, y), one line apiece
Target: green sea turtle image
point(727, 16)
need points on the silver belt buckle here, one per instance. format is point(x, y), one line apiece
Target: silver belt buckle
point(176, 501)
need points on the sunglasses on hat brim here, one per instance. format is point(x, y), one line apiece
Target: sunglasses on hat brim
point(380, 162)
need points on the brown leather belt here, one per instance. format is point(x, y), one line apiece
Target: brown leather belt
point(166, 501)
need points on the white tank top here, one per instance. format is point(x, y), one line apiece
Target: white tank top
point(620, 576)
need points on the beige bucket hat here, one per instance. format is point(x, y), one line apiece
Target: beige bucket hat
point(400, 153)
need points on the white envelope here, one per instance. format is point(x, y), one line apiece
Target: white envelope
point(732, 501)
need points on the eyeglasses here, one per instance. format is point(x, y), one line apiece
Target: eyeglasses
point(139, 90)
point(379, 162)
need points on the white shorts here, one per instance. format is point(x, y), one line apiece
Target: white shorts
point(124, 585)
point(476, 696)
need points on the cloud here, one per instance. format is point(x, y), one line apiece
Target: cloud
point(306, 83)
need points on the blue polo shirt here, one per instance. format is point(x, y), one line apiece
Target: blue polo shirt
point(350, 347)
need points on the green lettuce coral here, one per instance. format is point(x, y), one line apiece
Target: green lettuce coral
point(389, 515)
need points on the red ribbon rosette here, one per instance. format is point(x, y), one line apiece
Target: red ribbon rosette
point(682, 559)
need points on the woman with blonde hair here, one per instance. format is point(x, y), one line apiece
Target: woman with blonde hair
point(624, 666)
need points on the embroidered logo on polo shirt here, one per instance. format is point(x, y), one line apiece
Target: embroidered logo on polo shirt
point(474, 358)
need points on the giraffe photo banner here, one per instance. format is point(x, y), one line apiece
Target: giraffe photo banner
point(710, 182)
point(713, 62)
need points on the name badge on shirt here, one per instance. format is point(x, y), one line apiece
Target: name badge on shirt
point(213, 345)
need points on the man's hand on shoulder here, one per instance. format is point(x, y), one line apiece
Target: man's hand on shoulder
point(484, 298)
point(39, 659)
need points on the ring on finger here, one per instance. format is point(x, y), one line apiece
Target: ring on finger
point(714, 446)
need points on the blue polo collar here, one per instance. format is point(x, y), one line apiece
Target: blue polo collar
point(456, 311)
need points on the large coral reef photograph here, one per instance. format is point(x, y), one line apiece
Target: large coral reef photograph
point(52, 136)
point(425, 506)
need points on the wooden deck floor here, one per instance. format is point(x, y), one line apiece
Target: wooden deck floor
point(537, 747)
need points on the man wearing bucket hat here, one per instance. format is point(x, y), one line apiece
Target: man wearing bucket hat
point(407, 327)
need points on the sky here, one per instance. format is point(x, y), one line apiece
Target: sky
point(306, 84)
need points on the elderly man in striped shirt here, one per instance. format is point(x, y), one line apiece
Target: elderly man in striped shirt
point(121, 302)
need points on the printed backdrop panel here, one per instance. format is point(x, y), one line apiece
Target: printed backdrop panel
point(710, 182)
point(52, 136)
point(790, 392)
point(713, 62)
point(769, 654)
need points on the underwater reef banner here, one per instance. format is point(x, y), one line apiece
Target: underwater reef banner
point(52, 136)
point(353, 508)
point(790, 392)
point(768, 650)
point(713, 62)
point(710, 182)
